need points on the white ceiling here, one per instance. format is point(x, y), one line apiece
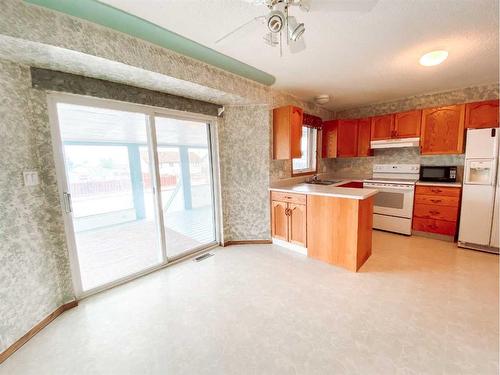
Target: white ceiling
point(356, 57)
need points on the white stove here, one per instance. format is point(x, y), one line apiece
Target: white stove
point(393, 206)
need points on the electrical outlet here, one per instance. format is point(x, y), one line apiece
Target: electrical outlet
point(30, 178)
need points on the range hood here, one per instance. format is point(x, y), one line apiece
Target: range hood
point(396, 143)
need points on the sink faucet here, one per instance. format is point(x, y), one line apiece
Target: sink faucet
point(314, 178)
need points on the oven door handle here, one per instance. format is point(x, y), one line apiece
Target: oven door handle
point(386, 188)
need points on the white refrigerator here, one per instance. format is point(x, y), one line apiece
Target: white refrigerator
point(479, 224)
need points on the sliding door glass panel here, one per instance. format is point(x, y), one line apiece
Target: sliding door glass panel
point(186, 184)
point(109, 177)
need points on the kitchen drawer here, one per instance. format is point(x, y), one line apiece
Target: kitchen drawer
point(441, 200)
point(288, 197)
point(438, 190)
point(429, 211)
point(435, 226)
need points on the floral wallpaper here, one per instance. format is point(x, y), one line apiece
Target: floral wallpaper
point(34, 269)
point(244, 168)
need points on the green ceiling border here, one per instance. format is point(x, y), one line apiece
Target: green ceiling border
point(106, 15)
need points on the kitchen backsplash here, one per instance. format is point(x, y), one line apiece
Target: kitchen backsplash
point(362, 167)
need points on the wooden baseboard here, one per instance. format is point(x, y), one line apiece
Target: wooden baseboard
point(37, 328)
point(247, 242)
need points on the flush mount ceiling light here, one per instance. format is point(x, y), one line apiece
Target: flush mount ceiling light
point(433, 58)
point(322, 99)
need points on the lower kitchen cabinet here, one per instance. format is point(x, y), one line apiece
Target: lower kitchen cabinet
point(297, 224)
point(436, 210)
point(288, 217)
point(279, 220)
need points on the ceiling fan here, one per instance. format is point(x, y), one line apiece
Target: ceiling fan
point(281, 25)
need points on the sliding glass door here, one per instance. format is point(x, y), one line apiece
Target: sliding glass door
point(186, 185)
point(112, 162)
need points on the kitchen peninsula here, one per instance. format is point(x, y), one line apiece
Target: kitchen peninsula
point(330, 223)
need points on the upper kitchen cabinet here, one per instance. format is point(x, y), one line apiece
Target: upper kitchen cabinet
point(407, 124)
point(287, 132)
point(482, 114)
point(329, 139)
point(382, 127)
point(364, 137)
point(347, 138)
point(442, 130)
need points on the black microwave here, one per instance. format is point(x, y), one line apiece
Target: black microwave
point(438, 173)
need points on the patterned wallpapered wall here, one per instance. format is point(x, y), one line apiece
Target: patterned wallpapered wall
point(34, 269)
point(244, 167)
point(362, 167)
point(44, 79)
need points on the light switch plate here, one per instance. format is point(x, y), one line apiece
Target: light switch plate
point(30, 178)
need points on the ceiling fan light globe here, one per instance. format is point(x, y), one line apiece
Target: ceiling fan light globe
point(295, 29)
point(275, 21)
point(297, 33)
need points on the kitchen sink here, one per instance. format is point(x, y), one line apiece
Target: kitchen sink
point(321, 182)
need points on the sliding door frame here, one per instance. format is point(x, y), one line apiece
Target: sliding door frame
point(53, 98)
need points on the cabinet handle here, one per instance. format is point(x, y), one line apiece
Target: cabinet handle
point(287, 211)
point(436, 190)
point(435, 200)
point(434, 212)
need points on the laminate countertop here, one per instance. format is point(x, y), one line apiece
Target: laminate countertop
point(327, 190)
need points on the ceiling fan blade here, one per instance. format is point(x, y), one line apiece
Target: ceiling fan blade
point(255, 19)
point(258, 2)
point(298, 46)
point(362, 6)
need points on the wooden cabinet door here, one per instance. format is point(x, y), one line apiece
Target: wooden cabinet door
point(347, 138)
point(329, 139)
point(407, 124)
point(442, 130)
point(481, 115)
point(287, 132)
point(364, 137)
point(382, 127)
point(297, 224)
point(279, 220)
point(296, 119)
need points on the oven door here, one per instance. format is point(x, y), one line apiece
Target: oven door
point(393, 200)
